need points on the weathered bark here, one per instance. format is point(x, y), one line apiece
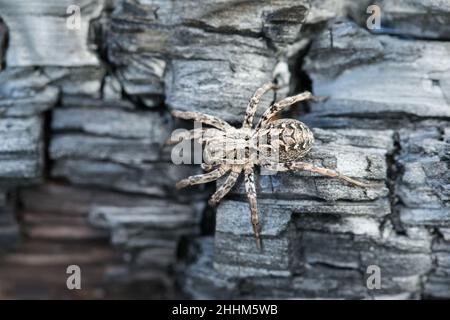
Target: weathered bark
point(206, 58)
point(38, 33)
point(321, 235)
point(85, 113)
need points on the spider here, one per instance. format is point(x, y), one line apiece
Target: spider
point(277, 145)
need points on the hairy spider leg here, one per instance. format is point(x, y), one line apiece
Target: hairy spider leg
point(203, 178)
point(322, 171)
point(253, 103)
point(193, 134)
point(283, 104)
point(250, 189)
point(203, 118)
point(223, 190)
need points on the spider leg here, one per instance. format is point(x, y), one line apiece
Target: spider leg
point(283, 104)
point(203, 178)
point(322, 171)
point(253, 103)
point(203, 118)
point(250, 189)
point(226, 187)
point(193, 134)
point(207, 167)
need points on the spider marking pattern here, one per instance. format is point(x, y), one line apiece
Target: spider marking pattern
point(277, 145)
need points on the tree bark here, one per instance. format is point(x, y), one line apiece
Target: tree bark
point(84, 115)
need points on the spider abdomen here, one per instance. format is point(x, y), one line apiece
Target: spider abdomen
point(290, 138)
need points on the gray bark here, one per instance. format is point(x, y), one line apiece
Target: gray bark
point(38, 35)
point(317, 248)
point(84, 115)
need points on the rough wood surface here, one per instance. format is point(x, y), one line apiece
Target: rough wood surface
point(38, 34)
point(67, 225)
point(321, 235)
point(206, 58)
point(367, 78)
point(84, 115)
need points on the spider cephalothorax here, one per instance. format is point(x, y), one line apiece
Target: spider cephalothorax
point(271, 144)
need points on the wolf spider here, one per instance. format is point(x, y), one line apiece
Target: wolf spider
point(229, 149)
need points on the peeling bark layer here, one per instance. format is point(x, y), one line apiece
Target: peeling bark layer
point(84, 115)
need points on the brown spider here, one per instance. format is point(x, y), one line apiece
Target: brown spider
point(228, 149)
